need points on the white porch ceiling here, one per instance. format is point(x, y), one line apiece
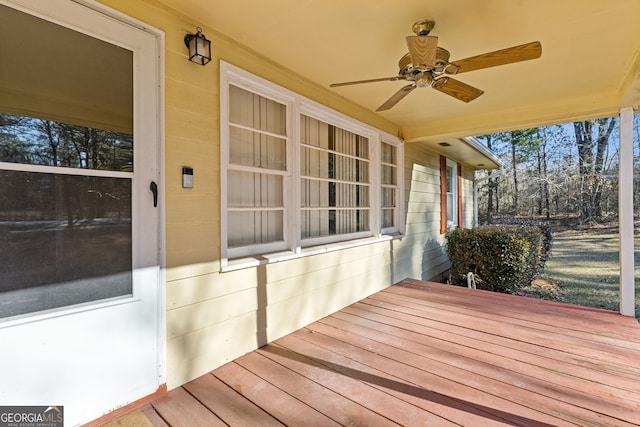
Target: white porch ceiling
point(590, 64)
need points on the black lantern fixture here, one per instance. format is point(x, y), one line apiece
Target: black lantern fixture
point(199, 47)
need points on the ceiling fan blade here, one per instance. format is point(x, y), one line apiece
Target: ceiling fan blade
point(457, 89)
point(422, 50)
point(396, 97)
point(357, 82)
point(509, 55)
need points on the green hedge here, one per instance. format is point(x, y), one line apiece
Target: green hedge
point(503, 258)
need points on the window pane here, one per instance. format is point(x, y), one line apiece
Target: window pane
point(257, 112)
point(315, 223)
point(247, 148)
point(246, 189)
point(334, 167)
point(323, 223)
point(387, 218)
point(64, 76)
point(314, 194)
point(316, 133)
point(348, 169)
point(348, 195)
point(388, 153)
point(450, 206)
point(328, 194)
point(314, 163)
point(389, 174)
point(388, 197)
point(32, 141)
point(449, 179)
point(313, 132)
point(323, 164)
point(64, 240)
point(346, 142)
point(254, 227)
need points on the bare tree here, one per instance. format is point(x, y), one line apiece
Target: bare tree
point(592, 135)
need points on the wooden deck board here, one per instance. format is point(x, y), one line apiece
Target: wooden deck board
point(334, 405)
point(570, 342)
point(477, 385)
point(229, 405)
point(350, 387)
point(406, 382)
point(422, 353)
point(547, 365)
point(281, 405)
point(180, 409)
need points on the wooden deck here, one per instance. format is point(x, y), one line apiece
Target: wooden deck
point(421, 353)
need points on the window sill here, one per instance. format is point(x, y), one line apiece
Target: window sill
point(254, 261)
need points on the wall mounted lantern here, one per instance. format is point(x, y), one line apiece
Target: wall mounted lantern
point(199, 47)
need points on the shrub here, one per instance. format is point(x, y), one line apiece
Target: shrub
point(543, 228)
point(503, 258)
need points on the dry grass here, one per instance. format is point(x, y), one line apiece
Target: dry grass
point(583, 269)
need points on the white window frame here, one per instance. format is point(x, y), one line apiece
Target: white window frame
point(293, 245)
point(324, 115)
point(398, 224)
point(285, 174)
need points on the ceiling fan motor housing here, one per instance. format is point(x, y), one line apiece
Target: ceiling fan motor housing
point(424, 27)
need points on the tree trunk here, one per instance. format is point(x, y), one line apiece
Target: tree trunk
point(490, 187)
point(540, 184)
point(584, 142)
point(545, 181)
point(602, 143)
point(515, 175)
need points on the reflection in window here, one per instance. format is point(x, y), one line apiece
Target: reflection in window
point(65, 240)
point(33, 141)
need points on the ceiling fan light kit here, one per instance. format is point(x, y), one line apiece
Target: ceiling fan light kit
point(426, 65)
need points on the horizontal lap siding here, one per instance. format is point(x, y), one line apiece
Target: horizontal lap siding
point(214, 318)
point(421, 253)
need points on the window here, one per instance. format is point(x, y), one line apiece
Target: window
point(389, 188)
point(334, 182)
point(67, 169)
point(256, 171)
point(298, 175)
point(450, 194)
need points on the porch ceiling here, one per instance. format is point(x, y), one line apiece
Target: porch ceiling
point(590, 64)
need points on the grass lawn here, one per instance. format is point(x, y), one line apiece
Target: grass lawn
point(583, 269)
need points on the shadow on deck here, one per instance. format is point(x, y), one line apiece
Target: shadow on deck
point(421, 353)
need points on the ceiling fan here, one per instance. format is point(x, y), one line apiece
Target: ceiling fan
point(427, 64)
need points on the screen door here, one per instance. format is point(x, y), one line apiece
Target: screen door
point(79, 222)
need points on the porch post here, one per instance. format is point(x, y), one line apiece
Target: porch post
point(625, 208)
